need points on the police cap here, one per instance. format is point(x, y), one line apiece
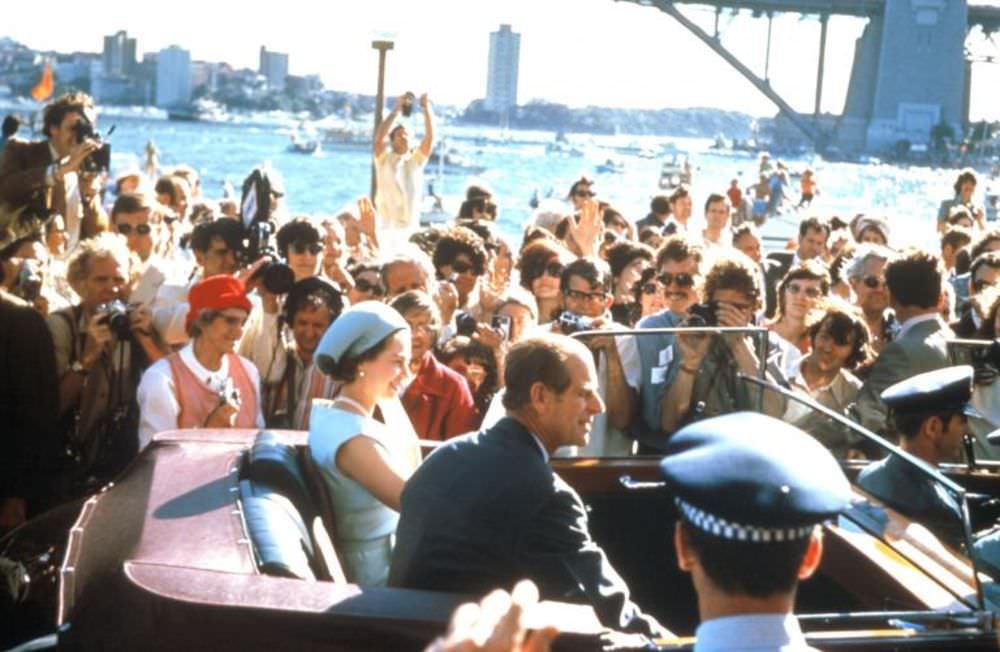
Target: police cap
point(749, 477)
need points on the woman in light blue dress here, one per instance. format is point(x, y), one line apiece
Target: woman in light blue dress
point(364, 463)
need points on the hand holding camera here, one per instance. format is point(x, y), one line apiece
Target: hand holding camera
point(77, 155)
point(224, 415)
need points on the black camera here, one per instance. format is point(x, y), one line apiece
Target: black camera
point(703, 314)
point(115, 315)
point(276, 276)
point(100, 159)
point(502, 324)
point(570, 322)
point(465, 324)
point(29, 280)
point(407, 107)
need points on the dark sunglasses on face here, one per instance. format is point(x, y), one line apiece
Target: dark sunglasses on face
point(367, 287)
point(585, 296)
point(301, 247)
point(586, 194)
point(141, 229)
point(554, 269)
point(810, 292)
point(462, 267)
point(871, 281)
point(651, 288)
point(683, 279)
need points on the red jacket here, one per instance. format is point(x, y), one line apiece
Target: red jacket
point(439, 402)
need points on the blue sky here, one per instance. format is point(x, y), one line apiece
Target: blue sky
point(577, 52)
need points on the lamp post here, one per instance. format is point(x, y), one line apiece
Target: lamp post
point(382, 46)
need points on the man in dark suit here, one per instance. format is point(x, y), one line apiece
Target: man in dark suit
point(46, 176)
point(29, 399)
point(486, 509)
point(914, 283)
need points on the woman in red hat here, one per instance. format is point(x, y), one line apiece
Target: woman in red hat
point(205, 384)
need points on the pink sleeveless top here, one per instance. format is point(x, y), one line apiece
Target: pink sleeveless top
point(198, 401)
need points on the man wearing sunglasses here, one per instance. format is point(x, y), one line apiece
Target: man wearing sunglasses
point(300, 243)
point(913, 280)
point(678, 265)
point(133, 217)
point(866, 275)
point(586, 287)
point(703, 378)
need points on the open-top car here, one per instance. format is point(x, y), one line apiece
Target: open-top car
point(222, 539)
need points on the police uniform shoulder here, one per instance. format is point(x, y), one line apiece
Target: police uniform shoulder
point(749, 477)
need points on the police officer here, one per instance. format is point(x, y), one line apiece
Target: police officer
point(751, 491)
point(930, 413)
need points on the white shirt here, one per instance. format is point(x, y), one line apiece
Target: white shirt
point(150, 280)
point(158, 404)
point(74, 204)
point(913, 321)
point(751, 633)
point(399, 179)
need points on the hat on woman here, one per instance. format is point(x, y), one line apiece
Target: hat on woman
point(358, 329)
point(217, 293)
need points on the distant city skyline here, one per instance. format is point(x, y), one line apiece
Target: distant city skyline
point(576, 52)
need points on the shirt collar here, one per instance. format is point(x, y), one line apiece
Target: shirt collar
point(750, 632)
point(913, 321)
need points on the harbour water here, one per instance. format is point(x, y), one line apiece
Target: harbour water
point(326, 182)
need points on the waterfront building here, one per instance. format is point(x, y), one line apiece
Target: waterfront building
point(501, 79)
point(173, 77)
point(274, 66)
point(119, 54)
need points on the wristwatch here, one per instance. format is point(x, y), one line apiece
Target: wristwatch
point(78, 368)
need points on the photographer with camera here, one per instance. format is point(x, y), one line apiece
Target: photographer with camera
point(703, 379)
point(101, 346)
point(216, 245)
point(587, 291)
point(399, 171)
point(283, 349)
point(205, 384)
point(61, 174)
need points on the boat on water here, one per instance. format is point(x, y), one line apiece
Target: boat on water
point(451, 161)
point(611, 166)
point(675, 171)
point(303, 146)
point(198, 111)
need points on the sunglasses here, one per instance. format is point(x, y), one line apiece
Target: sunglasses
point(554, 269)
point(462, 267)
point(367, 287)
point(586, 194)
point(871, 281)
point(651, 288)
point(301, 247)
point(796, 289)
point(585, 296)
point(683, 279)
point(141, 229)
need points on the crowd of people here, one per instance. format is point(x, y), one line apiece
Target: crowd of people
point(137, 305)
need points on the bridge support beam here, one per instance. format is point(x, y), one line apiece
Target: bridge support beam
point(824, 19)
point(806, 126)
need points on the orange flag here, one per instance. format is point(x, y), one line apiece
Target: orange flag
point(43, 89)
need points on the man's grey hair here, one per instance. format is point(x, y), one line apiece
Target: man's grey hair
point(412, 254)
point(864, 253)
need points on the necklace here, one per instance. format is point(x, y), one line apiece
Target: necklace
point(355, 404)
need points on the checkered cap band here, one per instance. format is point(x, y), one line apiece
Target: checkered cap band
point(720, 527)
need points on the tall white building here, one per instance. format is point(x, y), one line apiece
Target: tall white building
point(274, 66)
point(501, 79)
point(173, 77)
